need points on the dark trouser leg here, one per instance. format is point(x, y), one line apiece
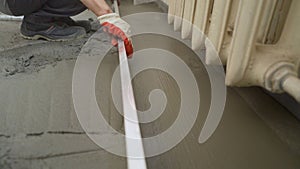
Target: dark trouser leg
point(25, 7)
point(55, 8)
point(49, 10)
point(43, 21)
point(39, 13)
point(61, 8)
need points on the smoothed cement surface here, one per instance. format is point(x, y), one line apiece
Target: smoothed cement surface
point(39, 128)
point(251, 134)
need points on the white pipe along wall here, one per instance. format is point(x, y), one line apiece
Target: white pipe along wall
point(4, 17)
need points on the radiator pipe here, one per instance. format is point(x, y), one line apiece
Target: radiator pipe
point(291, 85)
point(10, 18)
point(283, 77)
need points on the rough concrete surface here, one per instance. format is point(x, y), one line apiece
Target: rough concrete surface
point(39, 128)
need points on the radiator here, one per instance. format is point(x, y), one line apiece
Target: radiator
point(257, 40)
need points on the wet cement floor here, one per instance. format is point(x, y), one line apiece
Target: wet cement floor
point(39, 127)
point(247, 137)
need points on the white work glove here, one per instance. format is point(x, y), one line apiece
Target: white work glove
point(118, 29)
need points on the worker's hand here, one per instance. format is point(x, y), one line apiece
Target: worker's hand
point(118, 29)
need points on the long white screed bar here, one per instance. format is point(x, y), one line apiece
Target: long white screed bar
point(134, 144)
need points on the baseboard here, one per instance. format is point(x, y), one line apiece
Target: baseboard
point(162, 5)
point(288, 102)
point(138, 2)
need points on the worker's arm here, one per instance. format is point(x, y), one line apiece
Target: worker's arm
point(98, 7)
point(111, 22)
